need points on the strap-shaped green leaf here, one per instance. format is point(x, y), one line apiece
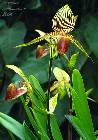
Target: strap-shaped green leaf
point(77, 124)
point(81, 104)
point(36, 85)
point(41, 120)
point(55, 128)
point(12, 125)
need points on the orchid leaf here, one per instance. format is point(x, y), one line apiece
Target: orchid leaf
point(73, 60)
point(55, 128)
point(41, 120)
point(78, 126)
point(12, 125)
point(80, 99)
point(35, 83)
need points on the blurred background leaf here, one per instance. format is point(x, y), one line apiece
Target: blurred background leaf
point(9, 37)
point(91, 33)
point(34, 4)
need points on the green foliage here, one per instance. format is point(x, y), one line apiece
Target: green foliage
point(28, 133)
point(9, 37)
point(21, 131)
point(72, 61)
point(82, 122)
point(37, 113)
point(91, 33)
point(39, 118)
point(54, 128)
point(38, 88)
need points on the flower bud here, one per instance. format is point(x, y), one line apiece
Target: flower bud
point(62, 45)
point(41, 51)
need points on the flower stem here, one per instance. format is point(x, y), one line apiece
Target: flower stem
point(69, 125)
point(69, 111)
point(48, 96)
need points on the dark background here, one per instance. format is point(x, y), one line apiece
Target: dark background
point(18, 21)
